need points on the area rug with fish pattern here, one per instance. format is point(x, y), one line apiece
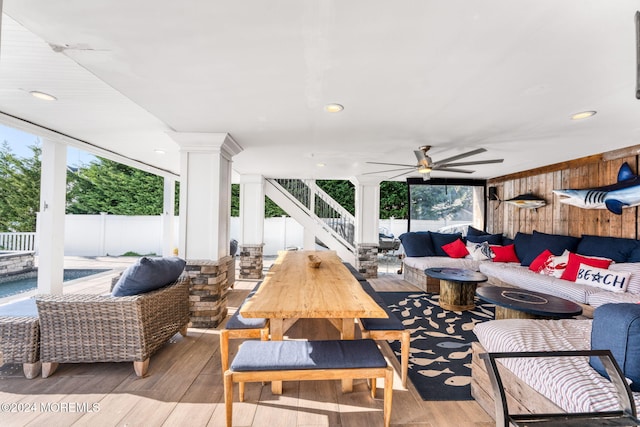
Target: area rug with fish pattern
point(440, 359)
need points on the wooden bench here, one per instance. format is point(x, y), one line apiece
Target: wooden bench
point(258, 361)
point(387, 329)
point(239, 327)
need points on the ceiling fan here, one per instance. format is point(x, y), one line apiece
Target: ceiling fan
point(426, 164)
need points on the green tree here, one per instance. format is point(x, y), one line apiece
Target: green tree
point(114, 188)
point(19, 190)
point(341, 191)
point(393, 199)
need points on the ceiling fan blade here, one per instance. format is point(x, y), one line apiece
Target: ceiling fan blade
point(396, 176)
point(444, 168)
point(390, 164)
point(460, 156)
point(423, 159)
point(477, 162)
point(388, 170)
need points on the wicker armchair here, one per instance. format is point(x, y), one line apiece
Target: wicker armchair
point(96, 328)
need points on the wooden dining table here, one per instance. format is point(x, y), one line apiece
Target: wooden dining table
point(293, 289)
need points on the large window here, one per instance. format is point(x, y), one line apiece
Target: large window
point(446, 205)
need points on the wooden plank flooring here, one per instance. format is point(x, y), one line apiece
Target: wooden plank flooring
point(184, 387)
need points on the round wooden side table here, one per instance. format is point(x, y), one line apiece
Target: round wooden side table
point(457, 287)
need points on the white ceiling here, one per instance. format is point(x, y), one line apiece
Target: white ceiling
point(498, 74)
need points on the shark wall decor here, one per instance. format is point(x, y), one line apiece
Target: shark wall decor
point(624, 193)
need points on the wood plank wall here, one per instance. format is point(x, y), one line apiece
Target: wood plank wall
point(560, 218)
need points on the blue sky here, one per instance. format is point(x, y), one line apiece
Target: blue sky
point(20, 141)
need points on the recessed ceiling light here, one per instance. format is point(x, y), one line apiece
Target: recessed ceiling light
point(582, 115)
point(320, 165)
point(43, 96)
point(159, 151)
point(333, 108)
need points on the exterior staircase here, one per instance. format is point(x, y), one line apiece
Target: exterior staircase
point(317, 212)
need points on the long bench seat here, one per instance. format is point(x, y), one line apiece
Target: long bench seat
point(390, 328)
point(258, 361)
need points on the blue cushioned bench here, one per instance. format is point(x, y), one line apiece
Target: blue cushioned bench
point(258, 361)
point(390, 328)
point(241, 327)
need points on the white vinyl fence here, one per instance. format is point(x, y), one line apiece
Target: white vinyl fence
point(101, 235)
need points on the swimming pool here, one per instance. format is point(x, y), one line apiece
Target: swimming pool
point(19, 286)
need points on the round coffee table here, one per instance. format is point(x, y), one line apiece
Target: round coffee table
point(457, 287)
point(514, 303)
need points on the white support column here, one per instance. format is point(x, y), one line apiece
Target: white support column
point(168, 213)
point(205, 193)
point(251, 209)
point(205, 216)
point(53, 191)
point(367, 215)
point(251, 226)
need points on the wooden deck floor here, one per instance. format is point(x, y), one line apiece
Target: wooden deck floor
point(184, 387)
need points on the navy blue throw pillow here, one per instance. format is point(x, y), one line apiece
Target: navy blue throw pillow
point(148, 274)
point(472, 231)
point(615, 248)
point(492, 239)
point(616, 327)
point(417, 244)
point(556, 243)
point(441, 239)
point(522, 242)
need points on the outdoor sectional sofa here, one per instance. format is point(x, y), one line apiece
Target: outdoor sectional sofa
point(424, 250)
point(558, 384)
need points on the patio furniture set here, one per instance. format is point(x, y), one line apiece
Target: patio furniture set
point(294, 289)
point(564, 371)
point(148, 306)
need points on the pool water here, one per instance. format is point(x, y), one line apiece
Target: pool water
point(18, 286)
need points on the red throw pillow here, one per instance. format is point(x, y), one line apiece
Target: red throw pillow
point(456, 249)
point(538, 263)
point(573, 265)
point(505, 253)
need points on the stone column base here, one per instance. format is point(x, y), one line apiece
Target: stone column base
point(251, 261)
point(208, 291)
point(367, 259)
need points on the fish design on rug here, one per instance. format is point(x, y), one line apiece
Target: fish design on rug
point(459, 354)
point(469, 325)
point(434, 372)
point(624, 193)
point(443, 335)
point(451, 344)
point(458, 381)
point(423, 361)
point(527, 201)
point(408, 322)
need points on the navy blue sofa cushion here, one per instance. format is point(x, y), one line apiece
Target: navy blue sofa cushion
point(492, 239)
point(472, 231)
point(615, 248)
point(285, 355)
point(522, 242)
point(148, 274)
point(441, 239)
point(555, 243)
point(616, 327)
point(417, 244)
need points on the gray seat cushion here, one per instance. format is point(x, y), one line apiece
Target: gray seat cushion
point(26, 308)
point(238, 321)
point(293, 355)
point(379, 324)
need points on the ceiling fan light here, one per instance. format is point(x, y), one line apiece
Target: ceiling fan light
point(582, 115)
point(333, 108)
point(424, 169)
point(43, 96)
